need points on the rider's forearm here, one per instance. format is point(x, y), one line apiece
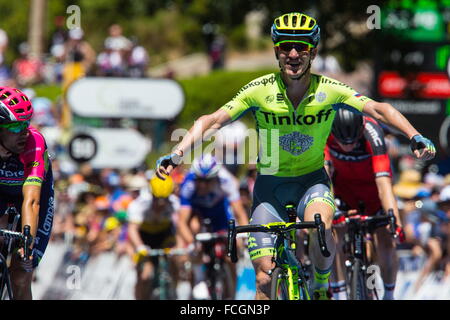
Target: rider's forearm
point(134, 236)
point(30, 215)
point(197, 132)
point(185, 233)
point(387, 114)
point(239, 212)
point(386, 195)
point(30, 207)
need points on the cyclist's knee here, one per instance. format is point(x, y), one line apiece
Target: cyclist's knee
point(325, 210)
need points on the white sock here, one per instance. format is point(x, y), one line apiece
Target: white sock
point(339, 290)
point(389, 291)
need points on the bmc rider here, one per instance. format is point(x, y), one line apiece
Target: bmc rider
point(26, 181)
point(294, 110)
point(356, 155)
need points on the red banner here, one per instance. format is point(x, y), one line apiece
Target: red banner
point(423, 85)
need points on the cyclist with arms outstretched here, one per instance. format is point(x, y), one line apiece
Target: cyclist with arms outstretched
point(294, 111)
point(357, 160)
point(26, 181)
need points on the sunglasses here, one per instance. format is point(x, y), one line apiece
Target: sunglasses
point(299, 46)
point(16, 127)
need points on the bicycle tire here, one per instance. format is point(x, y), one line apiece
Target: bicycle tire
point(358, 290)
point(220, 283)
point(278, 285)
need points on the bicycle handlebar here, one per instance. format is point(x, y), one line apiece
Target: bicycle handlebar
point(373, 222)
point(278, 229)
point(25, 239)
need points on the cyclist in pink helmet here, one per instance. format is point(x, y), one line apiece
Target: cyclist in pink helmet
point(26, 181)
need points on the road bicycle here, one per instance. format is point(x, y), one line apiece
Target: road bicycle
point(163, 283)
point(289, 280)
point(10, 241)
point(357, 238)
point(219, 276)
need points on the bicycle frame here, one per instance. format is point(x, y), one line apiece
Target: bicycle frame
point(292, 266)
point(284, 253)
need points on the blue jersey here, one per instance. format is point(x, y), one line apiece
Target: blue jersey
point(216, 204)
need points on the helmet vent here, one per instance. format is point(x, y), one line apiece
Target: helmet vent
point(286, 20)
point(303, 20)
point(24, 98)
point(294, 20)
point(13, 101)
point(19, 110)
point(311, 23)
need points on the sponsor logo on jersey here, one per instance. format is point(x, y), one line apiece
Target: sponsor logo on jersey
point(293, 119)
point(321, 96)
point(33, 164)
point(264, 81)
point(296, 143)
point(280, 97)
point(269, 98)
point(374, 134)
point(11, 174)
point(346, 157)
point(329, 81)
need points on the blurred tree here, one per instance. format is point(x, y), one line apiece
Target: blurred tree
point(174, 27)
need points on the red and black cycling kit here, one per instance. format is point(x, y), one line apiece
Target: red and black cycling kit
point(355, 171)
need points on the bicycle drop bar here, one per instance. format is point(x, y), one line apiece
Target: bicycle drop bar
point(25, 238)
point(375, 222)
point(317, 224)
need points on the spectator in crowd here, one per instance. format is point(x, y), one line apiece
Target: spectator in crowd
point(113, 61)
point(138, 60)
point(229, 143)
point(27, 68)
point(79, 57)
point(217, 52)
point(3, 45)
point(44, 114)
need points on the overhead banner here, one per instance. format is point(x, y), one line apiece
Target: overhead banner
point(109, 148)
point(126, 98)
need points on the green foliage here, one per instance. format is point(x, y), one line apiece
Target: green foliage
point(206, 94)
point(171, 28)
point(52, 92)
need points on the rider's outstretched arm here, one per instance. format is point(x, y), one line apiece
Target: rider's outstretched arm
point(213, 121)
point(387, 114)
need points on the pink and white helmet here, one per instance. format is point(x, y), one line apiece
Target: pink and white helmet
point(206, 167)
point(14, 105)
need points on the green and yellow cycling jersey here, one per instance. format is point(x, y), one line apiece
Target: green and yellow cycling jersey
point(292, 141)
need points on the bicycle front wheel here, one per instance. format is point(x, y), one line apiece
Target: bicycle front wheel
point(221, 282)
point(358, 290)
point(279, 289)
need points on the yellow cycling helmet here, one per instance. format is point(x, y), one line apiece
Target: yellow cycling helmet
point(295, 24)
point(161, 188)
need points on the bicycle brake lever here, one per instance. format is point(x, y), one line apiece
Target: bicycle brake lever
point(392, 223)
point(231, 247)
point(321, 235)
point(28, 239)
